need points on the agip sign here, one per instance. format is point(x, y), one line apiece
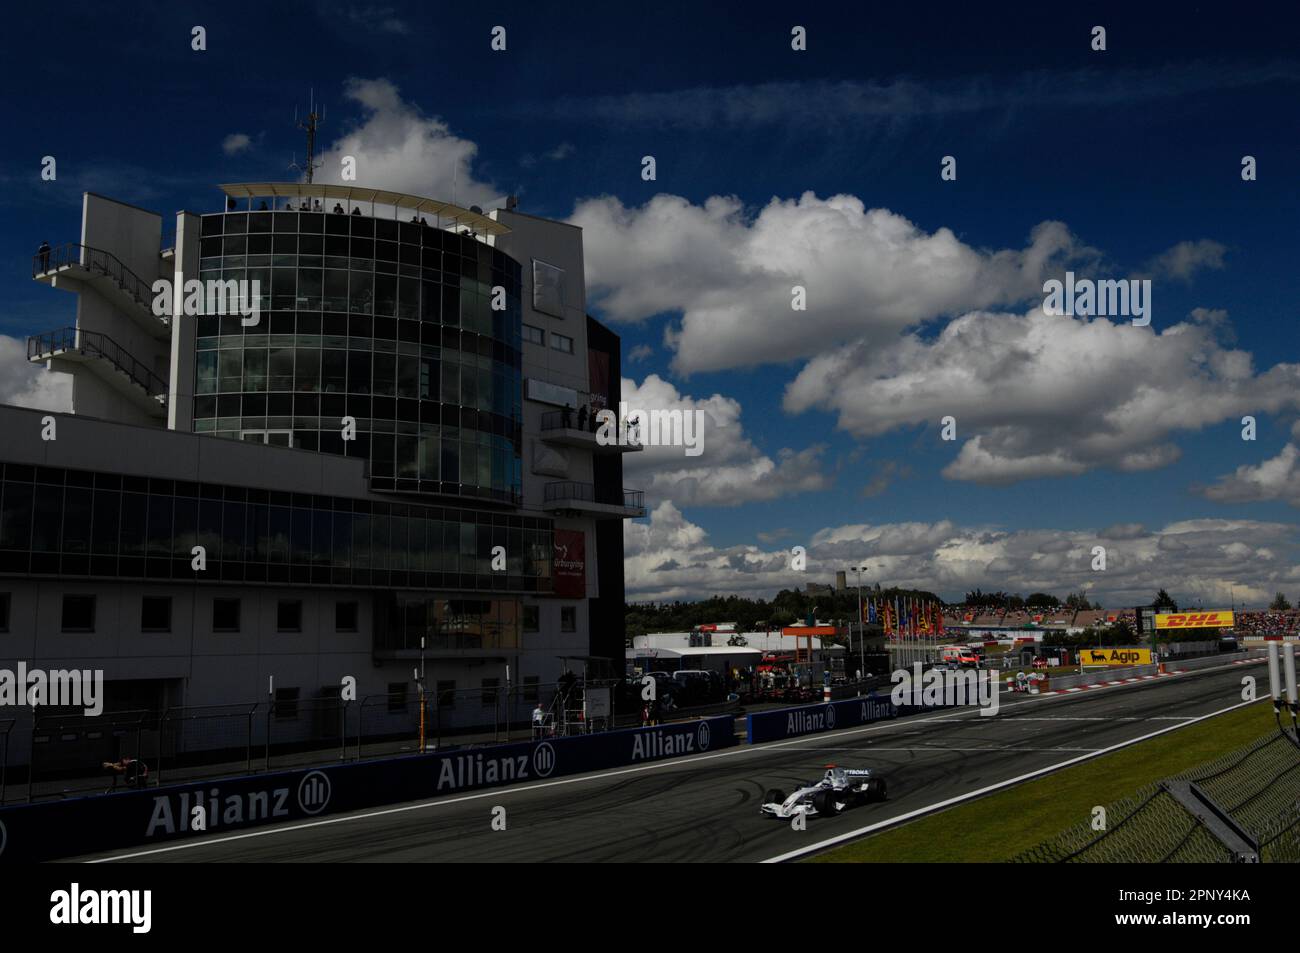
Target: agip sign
point(1123, 656)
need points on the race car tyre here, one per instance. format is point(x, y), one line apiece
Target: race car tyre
point(774, 796)
point(824, 803)
point(876, 790)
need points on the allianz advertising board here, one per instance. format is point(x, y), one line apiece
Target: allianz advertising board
point(810, 719)
point(40, 831)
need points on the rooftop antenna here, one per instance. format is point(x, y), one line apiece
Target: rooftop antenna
point(309, 126)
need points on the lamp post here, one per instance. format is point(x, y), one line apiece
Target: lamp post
point(859, 570)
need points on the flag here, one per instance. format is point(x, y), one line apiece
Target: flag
point(939, 622)
point(923, 621)
point(871, 613)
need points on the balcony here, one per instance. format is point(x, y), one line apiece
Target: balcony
point(106, 358)
point(106, 273)
point(583, 499)
point(560, 427)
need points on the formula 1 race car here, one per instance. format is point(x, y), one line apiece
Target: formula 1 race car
point(838, 789)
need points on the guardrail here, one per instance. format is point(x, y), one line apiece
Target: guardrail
point(96, 261)
point(572, 490)
point(96, 344)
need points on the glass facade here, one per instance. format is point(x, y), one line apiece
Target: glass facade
point(403, 619)
point(387, 322)
point(75, 523)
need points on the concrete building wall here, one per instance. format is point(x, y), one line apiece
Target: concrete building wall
point(224, 668)
point(180, 376)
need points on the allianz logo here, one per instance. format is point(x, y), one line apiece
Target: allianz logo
point(199, 811)
point(802, 720)
point(477, 770)
point(648, 745)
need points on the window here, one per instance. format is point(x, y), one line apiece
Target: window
point(156, 614)
point(568, 618)
point(491, 686)
point(532, 619)
point(534, 335)
point(4, 612)
point(288, 615)
point(531, 686)
point(548, 289)
point(78, 613)
point(286, 702)
point(345, 617)
point(562, 342)
point(397, 696)
point(446, 694)
point(225, 615)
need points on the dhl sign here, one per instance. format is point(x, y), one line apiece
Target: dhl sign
point(1219, 619)
point(1115, 657)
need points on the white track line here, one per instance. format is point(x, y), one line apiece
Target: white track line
point(970, 795)
point(739, 750)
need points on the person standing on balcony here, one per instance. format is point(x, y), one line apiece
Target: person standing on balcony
point(44, 253)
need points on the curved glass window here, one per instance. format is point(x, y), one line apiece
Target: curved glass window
point(385, 322)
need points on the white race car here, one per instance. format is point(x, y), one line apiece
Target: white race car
point(838, 789)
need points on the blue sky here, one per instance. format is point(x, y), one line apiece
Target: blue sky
point(1134, 151)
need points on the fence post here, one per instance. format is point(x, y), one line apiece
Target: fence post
point(31, 758)
point(248, 747)
point(270, 710)
point(139, 739)
point(162, 746)
point(4, 762)
point(361, 723)
point(343, 732)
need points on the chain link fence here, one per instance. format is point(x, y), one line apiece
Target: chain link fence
point(67, 755)
point(1242, 805)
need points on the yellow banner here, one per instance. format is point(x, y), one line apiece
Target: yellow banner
point(1116, 657)
point(1216, 619)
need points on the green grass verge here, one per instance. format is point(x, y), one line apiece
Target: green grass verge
point(995, 828)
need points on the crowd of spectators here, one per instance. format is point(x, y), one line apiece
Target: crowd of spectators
point(1269, 622)
point(1248, 622)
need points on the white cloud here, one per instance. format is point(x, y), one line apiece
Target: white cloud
point(236, 143)
point(729, 471)
point(668, 557)
point(813, 104)
point(869, 273)
point(1277, 478)
point(30, 385)
point(1038, 395)
point(398, 148)
point(1186, 258)
point(640, 353)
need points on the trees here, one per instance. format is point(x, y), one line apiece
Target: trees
point(1279, 603)
point(1079, 601)
point(1164, 602)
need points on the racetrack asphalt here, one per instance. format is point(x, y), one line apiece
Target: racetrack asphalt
point(705, 808)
